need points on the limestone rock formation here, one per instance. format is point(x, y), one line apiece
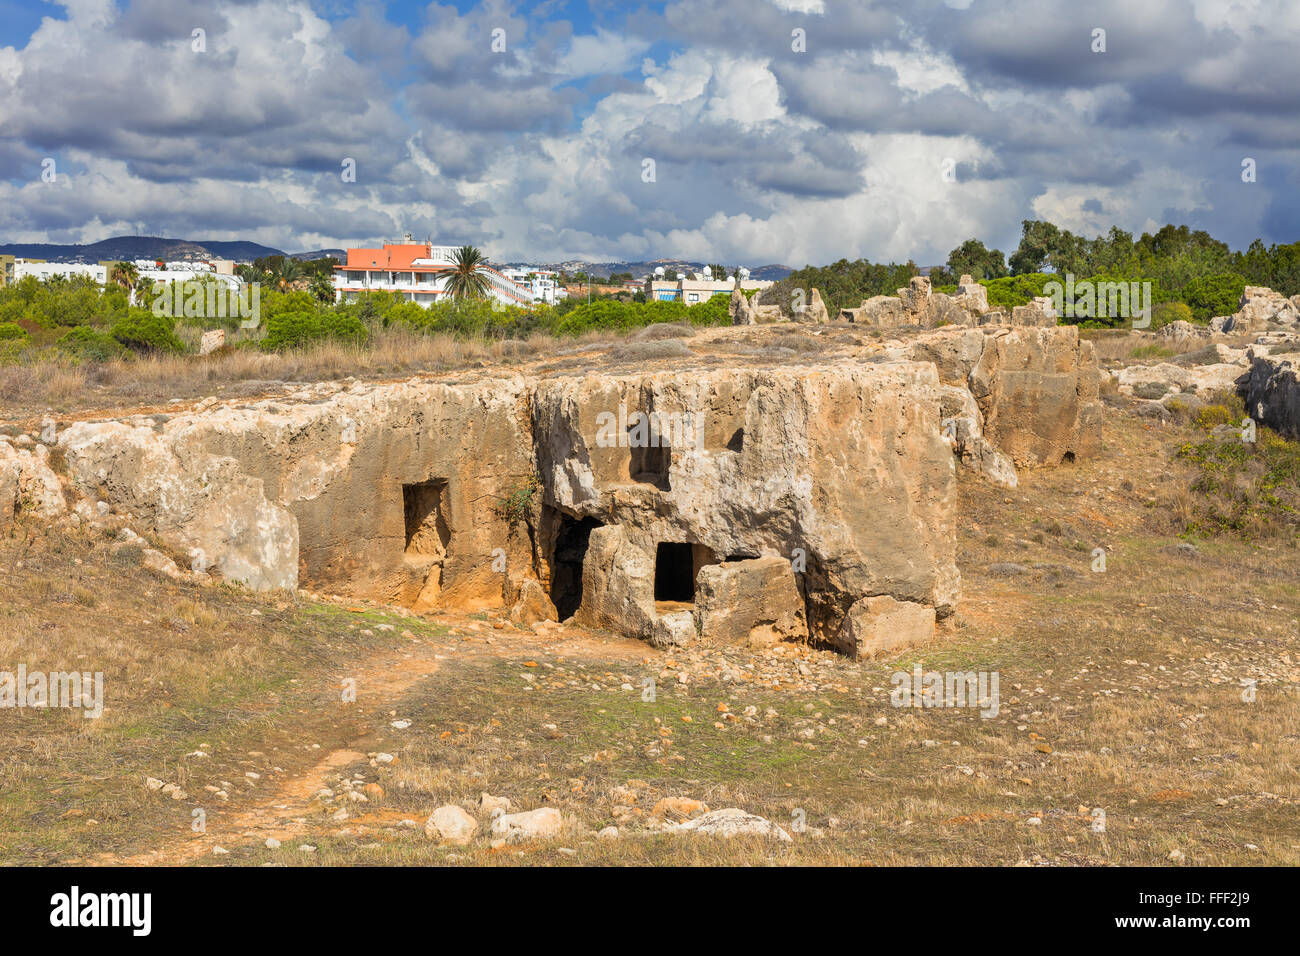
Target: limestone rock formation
point(753, 602)
point(1271, 389)
point(972, 296)
point(27, 484)
point(1036, 388)
point(739, 308)
point(1259, 309)
point(963, 426)
point(1178, 379)
point(915, 305)
point(733, 504)
point(842, 472)
point(815, 311)
point(880, 623)
point(211, 508)
point(1181, 331)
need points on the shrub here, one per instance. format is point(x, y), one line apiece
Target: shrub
point(142, 331)
point(345, 327)
point(1167, 312)
point(93, 345)
point(292, 330)
point(1213, 295)
point(11, 330)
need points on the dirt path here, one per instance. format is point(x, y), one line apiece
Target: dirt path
point(286, 812)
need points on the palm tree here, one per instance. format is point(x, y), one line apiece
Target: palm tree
point(124, 275)
point(143, 288)
point(467, 280)
point(249, 273)
point(321, 289)
point(287, 274)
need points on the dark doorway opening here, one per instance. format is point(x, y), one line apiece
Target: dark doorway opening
point(737, 441)
point(571, 542)
point(427, 531)
point(674, 572)
point(649, 465)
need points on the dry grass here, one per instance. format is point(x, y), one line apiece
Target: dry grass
point(66, 386)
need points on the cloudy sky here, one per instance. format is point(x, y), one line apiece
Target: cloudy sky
point(788, 131)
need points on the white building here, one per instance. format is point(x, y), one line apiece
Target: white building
point(48, 270)
point(418, 271)
point(695, 291)
point(543, 284)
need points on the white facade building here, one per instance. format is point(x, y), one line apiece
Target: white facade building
point(48, 270)
point(418, 271)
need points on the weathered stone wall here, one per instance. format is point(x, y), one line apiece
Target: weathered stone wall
point(1036, 388)
point(777, 503)
point(844, 465)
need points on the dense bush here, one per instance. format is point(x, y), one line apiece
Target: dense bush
point(1166, 312)
point(142, 331)
point(12, 330)
point(1218, 294)
point(291, 330)
point(90, 344)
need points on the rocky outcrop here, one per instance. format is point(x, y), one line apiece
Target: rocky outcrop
point(915, 305)
point(840, 473)
point(963, 426)
point(815, 311)
point(1183, 331)
point(202, 501)
point(755, 602)
point(392, 493)
point(1035, 388)
point(28, 485)
point(1164, 380)
point(1271, 389)
point(881, 624)
point(1260, 309)
point(739, 308)
point(972, 296)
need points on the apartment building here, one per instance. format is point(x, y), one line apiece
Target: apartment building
point(418, 271)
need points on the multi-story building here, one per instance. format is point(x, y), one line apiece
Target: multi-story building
point(695, 291)
point(418, 271)
point(6, 270)
point(542, 283)
point(42, 270)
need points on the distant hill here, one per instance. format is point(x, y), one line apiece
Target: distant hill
point(339, 254)
point(140, 247)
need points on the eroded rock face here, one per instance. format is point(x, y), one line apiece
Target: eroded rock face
point(741, 505)
point(1259, 310)
point(840, 472)
point(1272, 391)
point(27, 484)
point(915, 305)
point(754, 602)
point(881, 624)
point(739, 308)
point(203, 501)
point(1036, 388)
point(1178, 379)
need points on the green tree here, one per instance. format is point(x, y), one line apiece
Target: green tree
point(322, 288)
point(973, 259)
point(467, 280)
